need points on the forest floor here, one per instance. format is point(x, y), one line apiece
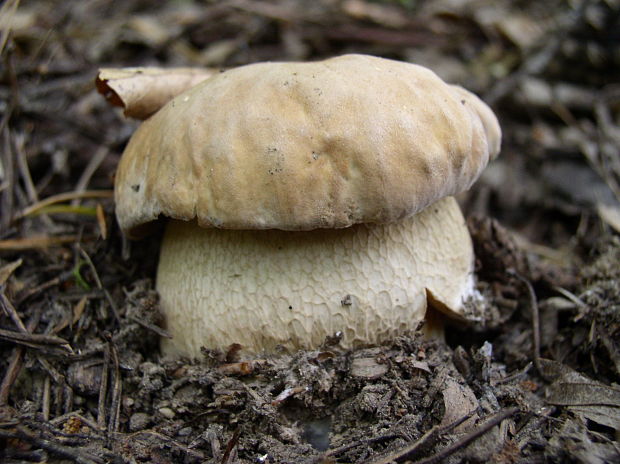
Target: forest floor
point(535, 380)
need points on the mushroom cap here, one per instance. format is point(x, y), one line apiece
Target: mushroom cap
point(301, 146)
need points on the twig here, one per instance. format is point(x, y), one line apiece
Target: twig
point(570, 296)
point(103, 389)
point(170, 441)
point(355, 444)
point(24, 170)
point(535, 321)
point(13, 369)
point(10, 311)
point(91, 265)
point(29, 243)
point(15, 363)
point(6, 15)
point(61, 197)
point(228, 454)
point(65, 276)
point(152, 327)
point(58, 399)
point(56, 376)
point(99, 284)
point(6, 154)
point(7, 271)
point(516, 375)
point(471, 436)
point(34, 340)
point(608, 167)
point(88, 172)
point(68, 396)
point(108, 297)
point(117, 390)
point(55, 448)
point(408, 451)
point(45, 407)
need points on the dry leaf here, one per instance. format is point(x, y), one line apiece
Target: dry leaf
point(570, 393)
point(459, 400)
point(573, 443)
point(143, 91)
point(583, 396)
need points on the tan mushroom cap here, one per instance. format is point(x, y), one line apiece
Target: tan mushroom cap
point(300, 146)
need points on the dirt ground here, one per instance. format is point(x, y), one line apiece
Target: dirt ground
point(535, 379)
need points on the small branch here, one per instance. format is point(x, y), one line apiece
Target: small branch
point(99, 284)
point(75, 455)
point(426, 440)
point(22, 164)
point(15, 363)
point(170, 441)
point(117, 390)
point(10, 311)
point(103, 389)
point(45, 241)
point(355, 444)
point(152, 327)
point(467, 439)
point(88, 172)
point(45, 407)
point(62, 197)
point(535, 321)
point(23, 296)
point(6, 158)
point(38, 341)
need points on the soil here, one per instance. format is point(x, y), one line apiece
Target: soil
point(533, 379)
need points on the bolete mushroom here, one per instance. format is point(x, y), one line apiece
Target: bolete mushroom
point(306, 199)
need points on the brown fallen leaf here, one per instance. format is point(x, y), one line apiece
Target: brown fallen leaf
point(143, 91)
point(459, 400)
point(583, 396)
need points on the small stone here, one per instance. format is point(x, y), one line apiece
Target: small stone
point(139, 421)
point(167, 413)
point(184, 432)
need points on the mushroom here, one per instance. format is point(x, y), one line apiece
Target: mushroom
point(307, 199)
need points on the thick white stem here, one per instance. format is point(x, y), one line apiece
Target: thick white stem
point(267, 288)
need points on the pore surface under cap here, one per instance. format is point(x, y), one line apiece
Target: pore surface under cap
point(300, 146)
point(262, 289)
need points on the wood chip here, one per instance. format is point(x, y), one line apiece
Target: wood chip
point(368, 368)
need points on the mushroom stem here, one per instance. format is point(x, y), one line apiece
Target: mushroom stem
point(263, 289)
